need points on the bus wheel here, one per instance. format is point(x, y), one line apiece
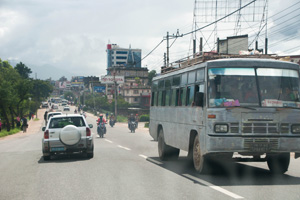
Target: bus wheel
point(165, 151)
point(278, 163)
point(162, 147)
point(200, 163)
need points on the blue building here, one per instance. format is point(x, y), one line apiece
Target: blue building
point(122, 57)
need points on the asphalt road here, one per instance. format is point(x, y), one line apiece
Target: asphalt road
point(126, 166)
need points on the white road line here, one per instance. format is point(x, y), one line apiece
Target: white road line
point(124, 148)
point(143, 156)
point(108, 141)
point(150, 159)
point(217, 188)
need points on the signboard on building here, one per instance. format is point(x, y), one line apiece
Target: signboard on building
point(110, 79)
point(99, 89)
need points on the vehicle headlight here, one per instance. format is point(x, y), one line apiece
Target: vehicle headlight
point(296, 128)
point(221, 128)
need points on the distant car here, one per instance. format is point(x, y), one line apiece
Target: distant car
point(54, 106)
point(45, 104)
point(67, 108)
point(64, 103)
point(67, 134)
point(51, 114)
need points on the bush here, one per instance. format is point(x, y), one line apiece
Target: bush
point(144, 118)
point(146, 125)
point(12, 131)
point(121, 118)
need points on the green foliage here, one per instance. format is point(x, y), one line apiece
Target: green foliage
point(121, 118)
point(150, 76)
point(23, 70)
point(18, 93)
point(70, 96)
point(137, 80)
point(11, 132)
point(146, 125)
point(144, 118)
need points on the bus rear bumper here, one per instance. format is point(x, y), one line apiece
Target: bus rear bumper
point(215, 144)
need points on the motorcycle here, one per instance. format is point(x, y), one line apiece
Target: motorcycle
point(132, 126)
point(101, 130)
point(112, 123)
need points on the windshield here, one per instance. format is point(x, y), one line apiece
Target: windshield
point(229, 87)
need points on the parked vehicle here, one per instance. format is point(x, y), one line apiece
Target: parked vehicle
point(66, 134)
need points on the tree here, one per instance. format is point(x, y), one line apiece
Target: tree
point(150, 76)
point(23, 70)
point(137, 80)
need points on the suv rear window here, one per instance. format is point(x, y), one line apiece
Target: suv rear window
point(62, 122)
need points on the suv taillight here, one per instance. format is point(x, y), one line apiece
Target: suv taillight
point(46, 134)
point(88, 131)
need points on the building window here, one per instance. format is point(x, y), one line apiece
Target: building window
point(135, 92)
point(120, 63)
point(136, 99)
point(127, 91)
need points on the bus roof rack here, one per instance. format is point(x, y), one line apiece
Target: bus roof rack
point(197, 59)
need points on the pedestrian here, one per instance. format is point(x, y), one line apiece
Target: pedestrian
point(106, 116)
point(30, 114)
point(45, 117)
point(0, 125)
point(137, 120)
point(24, 124)
point(18, 121)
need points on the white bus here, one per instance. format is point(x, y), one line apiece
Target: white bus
point(241, 106)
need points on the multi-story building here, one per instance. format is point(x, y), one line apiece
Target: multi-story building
point(135, 89)
point(123, 57)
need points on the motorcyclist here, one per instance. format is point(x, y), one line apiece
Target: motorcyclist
point(112, 119)
point(137, 120)
point(75, 111)
point(101, 120)
point(131, 118)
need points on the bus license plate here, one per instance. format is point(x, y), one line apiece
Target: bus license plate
point(260, 147)
point(57, 148)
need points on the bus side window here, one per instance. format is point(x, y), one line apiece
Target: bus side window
point(199, 95)
point(190, 93)
point(163, 98)
point(152, 99)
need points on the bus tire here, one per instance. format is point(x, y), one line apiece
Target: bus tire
point(200, 162)
point(165, 151)
point(278, 163)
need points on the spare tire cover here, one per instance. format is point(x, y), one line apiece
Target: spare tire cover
point(70, 135)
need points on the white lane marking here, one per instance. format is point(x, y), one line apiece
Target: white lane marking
point(108, 141)
point(150, 159)
point(217, 188)
point(143, 156)
point(124, 148)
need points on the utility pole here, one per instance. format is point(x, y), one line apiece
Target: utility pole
point(115, 87)
point(168, 47)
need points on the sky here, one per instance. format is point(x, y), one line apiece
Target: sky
point(68, 38)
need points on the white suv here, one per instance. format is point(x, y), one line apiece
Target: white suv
point(67, 134)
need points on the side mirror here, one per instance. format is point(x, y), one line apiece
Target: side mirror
point(44, 128)
point(91, 125)
point(199, 99)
